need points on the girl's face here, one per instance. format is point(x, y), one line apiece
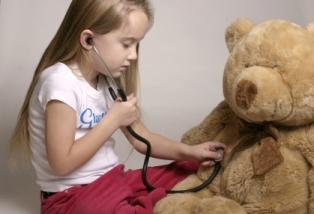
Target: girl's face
point(118, 47)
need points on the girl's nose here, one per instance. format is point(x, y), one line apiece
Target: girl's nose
point(133, 53)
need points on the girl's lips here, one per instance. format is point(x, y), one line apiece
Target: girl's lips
point(124, 67)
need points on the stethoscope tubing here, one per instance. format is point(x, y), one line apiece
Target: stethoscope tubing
point(145, 181)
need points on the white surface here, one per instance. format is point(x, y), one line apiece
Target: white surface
point(182, 61)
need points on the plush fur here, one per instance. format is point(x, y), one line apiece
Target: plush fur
point(266, 121)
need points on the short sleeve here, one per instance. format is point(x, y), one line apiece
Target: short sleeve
point(60, 87)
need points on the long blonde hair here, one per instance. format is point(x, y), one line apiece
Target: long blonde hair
point(101, 17)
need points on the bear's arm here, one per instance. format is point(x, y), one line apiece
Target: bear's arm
point(308, 151)
point(211, 126)
point(302, 139)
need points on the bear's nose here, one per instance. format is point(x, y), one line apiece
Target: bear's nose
point(245, 94)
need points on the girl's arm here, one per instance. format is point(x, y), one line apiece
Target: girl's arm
point(165, 148)
point(66, 154)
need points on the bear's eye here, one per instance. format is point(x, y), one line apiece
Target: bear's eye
point(246, 65)
point(275, 66)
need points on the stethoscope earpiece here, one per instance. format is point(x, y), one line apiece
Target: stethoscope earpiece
point(89, 41)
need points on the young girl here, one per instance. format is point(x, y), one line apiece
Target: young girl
point(68, 116)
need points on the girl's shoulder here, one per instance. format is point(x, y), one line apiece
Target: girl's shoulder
point(58, 77)
point(59, 72)
point(58, 82)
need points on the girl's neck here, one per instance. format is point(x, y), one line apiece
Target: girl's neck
point(90, 76)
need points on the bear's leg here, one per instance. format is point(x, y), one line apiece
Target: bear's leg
point(311, 185)
point(219, 205)
point(193, 181)
point(183, 203)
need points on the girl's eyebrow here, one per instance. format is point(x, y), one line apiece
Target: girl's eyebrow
point(129, 38)
point(133, 39)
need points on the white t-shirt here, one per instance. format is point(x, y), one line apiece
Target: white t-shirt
point(59, 82)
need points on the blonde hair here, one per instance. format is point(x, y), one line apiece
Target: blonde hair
point(101, 17)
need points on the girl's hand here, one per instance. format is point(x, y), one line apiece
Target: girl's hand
point(125, 113)
point(208, 153)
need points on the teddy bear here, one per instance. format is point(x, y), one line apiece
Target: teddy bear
point(265, 121)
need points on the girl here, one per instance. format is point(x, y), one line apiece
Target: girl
point(68, 116)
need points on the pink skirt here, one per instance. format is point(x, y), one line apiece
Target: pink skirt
point(119, 192)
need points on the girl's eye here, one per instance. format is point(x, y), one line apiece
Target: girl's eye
point(126, 45)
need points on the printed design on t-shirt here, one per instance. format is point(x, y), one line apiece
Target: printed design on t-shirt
point(88, 118)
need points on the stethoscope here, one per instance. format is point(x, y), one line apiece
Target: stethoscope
point(121, 94)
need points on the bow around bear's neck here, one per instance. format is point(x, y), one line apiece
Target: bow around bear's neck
point(266, 153)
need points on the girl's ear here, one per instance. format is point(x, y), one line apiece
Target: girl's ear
point(86, 39)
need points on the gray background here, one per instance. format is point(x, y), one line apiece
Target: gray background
point(182, 60)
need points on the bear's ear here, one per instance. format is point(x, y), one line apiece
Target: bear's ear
point(236, 31)
point(310, 27)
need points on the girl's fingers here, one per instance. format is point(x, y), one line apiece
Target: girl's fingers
point(208, 163)
point(130, 96)
point(216, 145)
point(214, 155)
point(132, 100)
point(119, 99)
